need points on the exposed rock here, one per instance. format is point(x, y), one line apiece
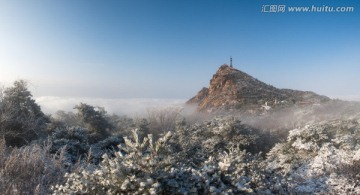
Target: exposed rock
point(232, 89)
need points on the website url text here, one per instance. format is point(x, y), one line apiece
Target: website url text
point(313, 8)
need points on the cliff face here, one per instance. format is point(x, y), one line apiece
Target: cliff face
point(232, 89)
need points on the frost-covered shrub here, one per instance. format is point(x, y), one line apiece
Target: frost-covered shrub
point(74, 140)
point(227, 174)
point(132, 170)
point(201, 140)
point(144, 167)
point(107, 146)
point(320, 158)
point(235, 172)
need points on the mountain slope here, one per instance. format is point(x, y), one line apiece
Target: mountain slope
point(232, 89)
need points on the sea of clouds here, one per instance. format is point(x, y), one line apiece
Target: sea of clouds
point(355, 98)
point(123, 106)
point(129, 106)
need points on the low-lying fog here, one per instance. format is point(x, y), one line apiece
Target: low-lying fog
point(129, 107)
point(284, 119)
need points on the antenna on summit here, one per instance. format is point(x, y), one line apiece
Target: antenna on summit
point(231, 62)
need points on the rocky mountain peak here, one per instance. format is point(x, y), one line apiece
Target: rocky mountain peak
point(232, 89)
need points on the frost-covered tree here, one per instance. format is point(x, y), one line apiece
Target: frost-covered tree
point(21, 119)
point(95, 121)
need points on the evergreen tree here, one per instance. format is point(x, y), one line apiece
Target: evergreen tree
point(21, 119)
point(95, 121)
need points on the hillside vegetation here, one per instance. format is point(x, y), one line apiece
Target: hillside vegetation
point(298, 150)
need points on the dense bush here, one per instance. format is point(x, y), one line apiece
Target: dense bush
point(107, 146)
point(131, 172)
point(211, 158)
point(321, 158)
point(75, 145)
point(204, 163)
point(215, 136)
point(73, 141)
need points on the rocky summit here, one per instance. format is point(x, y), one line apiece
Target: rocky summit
point(233, 90)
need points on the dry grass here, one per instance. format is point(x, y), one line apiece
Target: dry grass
point(28, 170)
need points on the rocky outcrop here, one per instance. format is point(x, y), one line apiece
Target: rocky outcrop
point(232, 89)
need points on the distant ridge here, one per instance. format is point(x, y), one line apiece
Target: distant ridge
point(232, 89)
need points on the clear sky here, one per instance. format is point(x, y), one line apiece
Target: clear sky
point(171, 48)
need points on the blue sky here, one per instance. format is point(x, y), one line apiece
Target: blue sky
point(171, 49)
